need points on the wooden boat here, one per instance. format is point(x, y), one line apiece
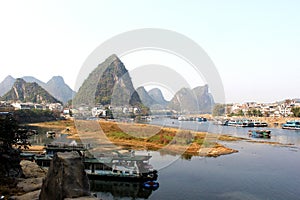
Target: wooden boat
point(259, 133)
point(291, 125)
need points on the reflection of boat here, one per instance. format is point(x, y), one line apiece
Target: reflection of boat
point(292, 125)
point(131, 190)
point(259, 133)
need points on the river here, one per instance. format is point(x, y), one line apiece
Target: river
point(257, 171)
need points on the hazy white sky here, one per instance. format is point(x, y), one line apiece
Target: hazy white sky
point(254, 44)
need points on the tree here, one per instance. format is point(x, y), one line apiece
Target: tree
point(12, 139)
point(296, 111)
point(218, 110)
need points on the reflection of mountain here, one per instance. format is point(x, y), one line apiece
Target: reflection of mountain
point(114, 189)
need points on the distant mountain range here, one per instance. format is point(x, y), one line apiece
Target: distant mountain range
point(28, 92)
point(197, 100)
point(55, 86)
point(108, 84)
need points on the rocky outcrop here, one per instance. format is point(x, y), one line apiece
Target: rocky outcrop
point(66, 178)
point(56, 86)
point(196, 101)
point(32, 180)
point(28, 92)
point(108, 84)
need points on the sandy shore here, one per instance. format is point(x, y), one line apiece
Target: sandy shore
point(144, 137)
point(136, 136)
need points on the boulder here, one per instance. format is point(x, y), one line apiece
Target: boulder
point(28, 196)
point(66, 178)
point(30, 184)
point(32, 170)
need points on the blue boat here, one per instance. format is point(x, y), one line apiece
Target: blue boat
point(153, 185)
point(291, 125)
point(259, 133)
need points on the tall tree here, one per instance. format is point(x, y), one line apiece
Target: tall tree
point(12, 139)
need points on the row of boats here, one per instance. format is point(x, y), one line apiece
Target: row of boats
point(291, 125)
point(242, 123)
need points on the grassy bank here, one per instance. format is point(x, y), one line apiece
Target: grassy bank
point(143, 137)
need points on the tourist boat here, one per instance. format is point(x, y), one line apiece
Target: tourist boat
point(115, 166)
point(292, 125)
point(120, 168)
point(259, 133)
point(257, 124)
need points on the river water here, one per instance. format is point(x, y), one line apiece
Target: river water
point(257, 171)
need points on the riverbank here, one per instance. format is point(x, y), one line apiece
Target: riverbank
point(142, 137)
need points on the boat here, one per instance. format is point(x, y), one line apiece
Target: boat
point(153, 185)
point(291, 125)
point(257, 124)
point(259, 133)
point(50, 134)
point(120, 168)
point(201, 119)
point(116, 166)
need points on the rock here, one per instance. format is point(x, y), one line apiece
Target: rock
point(30, 184)
point(66, 178)
point(28, 196)
point(82, 198)
point(32, 170)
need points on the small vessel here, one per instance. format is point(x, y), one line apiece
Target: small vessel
point(201, 119)
point(153, 185)
point(50, 134)
point(291, 125)
point(259, 133)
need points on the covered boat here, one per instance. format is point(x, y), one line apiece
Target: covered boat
point(292, 125)
point(259, 133)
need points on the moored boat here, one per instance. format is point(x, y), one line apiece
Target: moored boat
point(291, 125)
point(50, 134)
point(259, 133)
point(116, 167)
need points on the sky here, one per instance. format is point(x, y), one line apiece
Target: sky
point(253, 44)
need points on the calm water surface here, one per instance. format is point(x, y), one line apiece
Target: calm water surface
point(257, 171)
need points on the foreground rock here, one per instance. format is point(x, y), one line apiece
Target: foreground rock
point(32, 180)
point(66, 178)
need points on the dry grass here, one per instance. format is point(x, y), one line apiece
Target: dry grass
point(142, 137)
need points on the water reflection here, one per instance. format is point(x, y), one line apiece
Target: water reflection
point(113, 190)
